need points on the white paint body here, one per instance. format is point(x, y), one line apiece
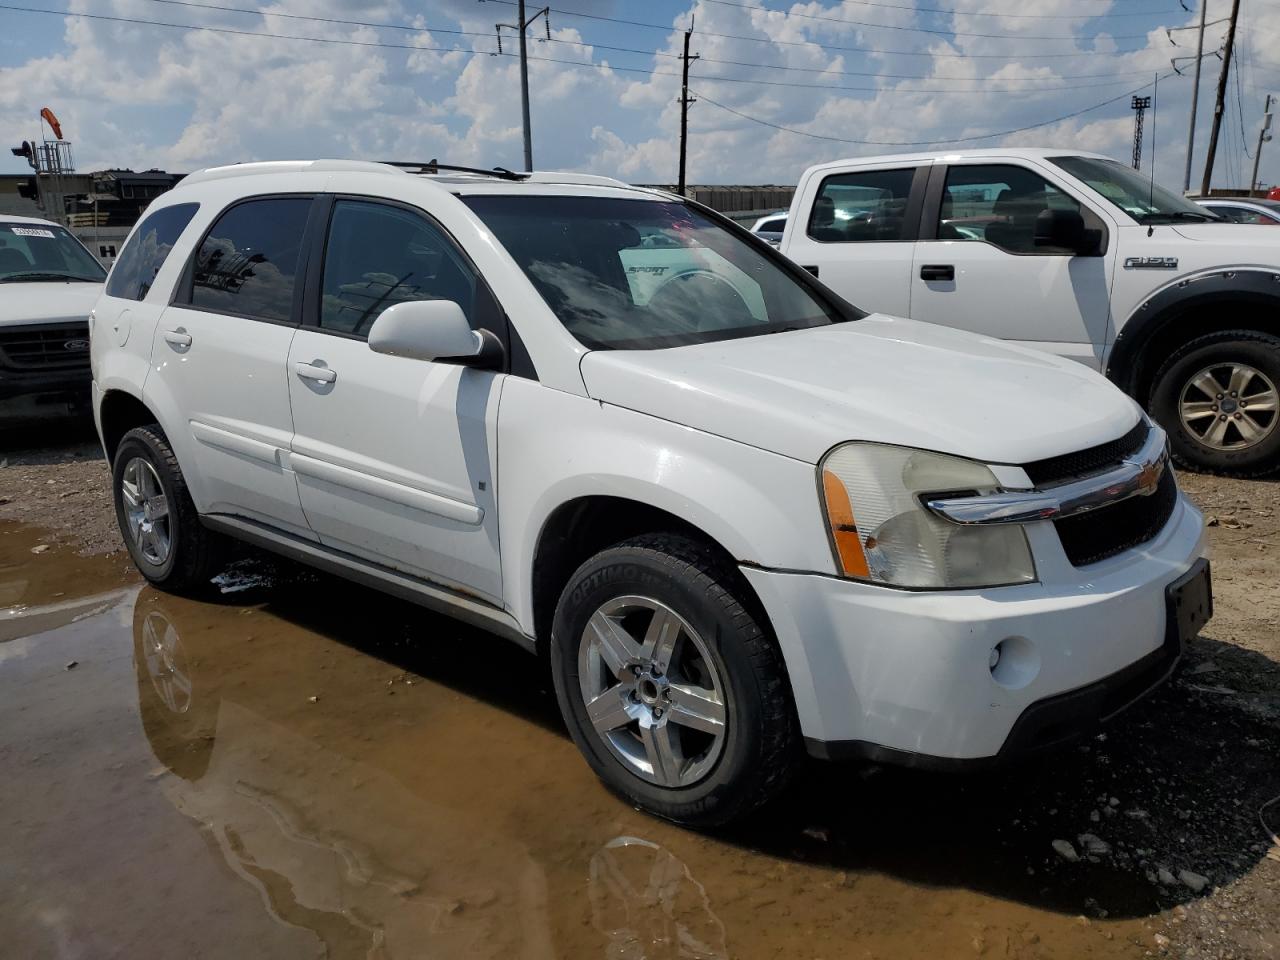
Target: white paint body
point(450, 474)
point(1075, 307)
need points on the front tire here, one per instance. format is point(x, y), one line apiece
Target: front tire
point(158, 520)
point(1218, 399)
point(669, 683)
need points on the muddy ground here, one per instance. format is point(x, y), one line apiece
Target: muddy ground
point(298, 767)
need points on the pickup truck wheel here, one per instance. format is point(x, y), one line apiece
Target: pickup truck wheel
point(157, 518)
point(669, 684)
point(1219, 399)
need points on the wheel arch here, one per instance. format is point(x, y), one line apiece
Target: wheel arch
point(582, 526)
point(1184, 310)
point(119, 412)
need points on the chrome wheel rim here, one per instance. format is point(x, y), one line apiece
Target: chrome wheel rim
point(146, 510)
point(1229, 406)
point(652, 691)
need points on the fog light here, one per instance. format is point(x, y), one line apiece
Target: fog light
point(1014, 662)
point(994, 659)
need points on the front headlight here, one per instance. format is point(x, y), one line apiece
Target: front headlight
point(881, 531)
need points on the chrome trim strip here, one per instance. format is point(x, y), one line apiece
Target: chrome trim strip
point(1137, 475)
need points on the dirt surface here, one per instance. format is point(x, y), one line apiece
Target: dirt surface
point(298, 767)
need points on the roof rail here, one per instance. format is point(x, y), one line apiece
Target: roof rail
point(586, 179)
point(433, 167)
point(283, 166)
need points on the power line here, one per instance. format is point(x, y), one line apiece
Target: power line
point(336, 41)
point(927, 143)
point(668, 29)
point(253, 11)
point(1009, 16)
point(933, 30)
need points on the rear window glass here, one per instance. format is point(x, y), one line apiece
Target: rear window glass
point(145, 253)
point(248, 261)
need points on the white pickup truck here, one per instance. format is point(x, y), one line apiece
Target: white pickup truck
point(1074, 254)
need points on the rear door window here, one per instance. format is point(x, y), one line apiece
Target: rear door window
point(862, 207)
point(247, 264)
point(145, 253)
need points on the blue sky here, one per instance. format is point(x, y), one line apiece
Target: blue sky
point(856, 75)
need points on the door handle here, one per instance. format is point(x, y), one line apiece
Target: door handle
point(309, 371)
point(938, 271)
point(177, 338)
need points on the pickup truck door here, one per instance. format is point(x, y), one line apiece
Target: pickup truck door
point(855, 228)
point(977, 266)
point(395, 457)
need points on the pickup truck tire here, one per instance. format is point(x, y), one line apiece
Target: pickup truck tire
point(670, 684)
point(1202, 396)
point(158, 520)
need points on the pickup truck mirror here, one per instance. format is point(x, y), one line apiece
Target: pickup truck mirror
point(433, 330)
point(1065, 230)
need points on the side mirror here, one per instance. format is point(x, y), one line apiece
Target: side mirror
point(1065, 230)
point(433, 330)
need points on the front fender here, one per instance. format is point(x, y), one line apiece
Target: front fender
point(1198, 291)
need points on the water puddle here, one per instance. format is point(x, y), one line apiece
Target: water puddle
point(303, 768)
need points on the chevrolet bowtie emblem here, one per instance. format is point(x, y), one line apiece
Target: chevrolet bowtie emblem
point(1149, 479)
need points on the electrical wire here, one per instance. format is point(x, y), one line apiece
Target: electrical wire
point(336, 41)
point(600, 46)
point(931, 30)
point(667, 28)
point(925, 143)
point(1009, 16)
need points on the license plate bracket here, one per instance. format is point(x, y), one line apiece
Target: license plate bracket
point(1189, 603)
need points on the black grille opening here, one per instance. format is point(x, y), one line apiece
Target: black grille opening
point(62, 346)
point(1102, 533)
point(1070, 466)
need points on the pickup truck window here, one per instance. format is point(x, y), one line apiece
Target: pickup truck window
point(377, 256)
point(1133, 193)
point(862, 207)
point(998, 204)
point(644, 274)
point(31, 252)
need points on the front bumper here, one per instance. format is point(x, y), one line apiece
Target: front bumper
point(28, 394)
point(905, 676)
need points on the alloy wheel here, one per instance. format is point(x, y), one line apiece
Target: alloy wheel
point(1229, 406)
point(652, 691)
point(146, 510)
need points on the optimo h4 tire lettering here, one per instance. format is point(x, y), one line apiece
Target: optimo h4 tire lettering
point(1219, 398)
point(669, 684)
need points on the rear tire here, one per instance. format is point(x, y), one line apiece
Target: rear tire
point(693, 718)
point(1217, 398)
point(158, 520)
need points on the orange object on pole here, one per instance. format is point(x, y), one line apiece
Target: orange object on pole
point(50, 119)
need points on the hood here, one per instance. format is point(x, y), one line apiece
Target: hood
point(880, 379)
point(46, 302)
point(1239, 236)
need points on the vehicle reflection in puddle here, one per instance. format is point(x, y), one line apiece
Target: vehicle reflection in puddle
point(346, 777)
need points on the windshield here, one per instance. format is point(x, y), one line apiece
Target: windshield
point(31, 252)
point(643, 274)
point(1133, 193)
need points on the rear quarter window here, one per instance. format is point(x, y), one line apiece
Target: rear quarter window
point(142, 257)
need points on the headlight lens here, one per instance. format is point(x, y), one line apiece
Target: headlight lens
point(882, 532)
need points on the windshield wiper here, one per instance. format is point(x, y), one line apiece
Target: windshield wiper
point(1178, 215)
point(33, 276)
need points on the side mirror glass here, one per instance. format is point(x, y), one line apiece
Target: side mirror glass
point(433, 330)
point(1064, 230)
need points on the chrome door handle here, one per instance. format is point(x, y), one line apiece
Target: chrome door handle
point(309, 371)
point(178, 338)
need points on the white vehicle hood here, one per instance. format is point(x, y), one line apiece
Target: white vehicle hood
point(46, 302)
point(880, 379)
point(1248, 240)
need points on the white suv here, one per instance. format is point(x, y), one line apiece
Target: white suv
point(1074, 254)
point(738, 516)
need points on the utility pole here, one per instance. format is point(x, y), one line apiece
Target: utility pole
point(1220, 103)
point(522, 24)
point(1139, 105)
point(1263, 136)
point(1195, 99)
point(685, 100)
